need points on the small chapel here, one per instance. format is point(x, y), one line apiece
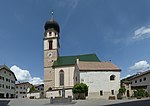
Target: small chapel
point(63, 72)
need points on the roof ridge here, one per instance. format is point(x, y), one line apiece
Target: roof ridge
point(97, 61)
point(90, 61)
point(79, 55)
point(4, 66)
point(23, 83)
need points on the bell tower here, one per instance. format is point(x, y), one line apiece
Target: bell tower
point(51, 51)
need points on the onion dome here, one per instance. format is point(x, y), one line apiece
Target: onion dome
point(52, 24)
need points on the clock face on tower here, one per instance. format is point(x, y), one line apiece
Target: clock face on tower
point(49, 54)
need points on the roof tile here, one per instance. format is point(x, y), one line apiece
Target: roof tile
point(97, 66)
point(71, 60)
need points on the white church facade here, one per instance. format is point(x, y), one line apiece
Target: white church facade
point(102, 78)
point(64, 71)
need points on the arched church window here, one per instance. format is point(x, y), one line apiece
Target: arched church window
point(50, 45)
point(112, 77)
point(61, 78)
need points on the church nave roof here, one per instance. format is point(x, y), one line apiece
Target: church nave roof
point(71, 60)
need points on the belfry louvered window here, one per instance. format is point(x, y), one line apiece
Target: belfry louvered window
point(50, 45)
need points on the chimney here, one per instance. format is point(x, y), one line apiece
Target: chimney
point(138, 73)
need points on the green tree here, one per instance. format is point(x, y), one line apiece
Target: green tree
point(122, 90)
point(32, 89)
point(80, 88)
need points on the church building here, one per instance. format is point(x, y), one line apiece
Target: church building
point(62, 72)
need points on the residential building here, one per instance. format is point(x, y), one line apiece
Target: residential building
point(40, 87)
point(127, 85)
point(7, 82)
point(137, 81)
point(37, 93)
point(22, 89)
point(34, 95)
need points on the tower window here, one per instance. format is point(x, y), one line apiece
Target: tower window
point(61, 77)
point(50, 45)
point(50, 33)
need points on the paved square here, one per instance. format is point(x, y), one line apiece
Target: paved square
point(88, 102)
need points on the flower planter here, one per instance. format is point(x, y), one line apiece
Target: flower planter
point(75, 96)
point(82, 96)
point(138, 97)
point(111, 98)
point(119, 96)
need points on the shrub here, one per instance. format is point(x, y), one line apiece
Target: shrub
point(146, 94)
point(80, 91)
point(32, 89)
point(140, 93)
point(122, 90)
point(80, 88)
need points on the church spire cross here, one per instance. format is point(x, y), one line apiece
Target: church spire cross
point(52, 15)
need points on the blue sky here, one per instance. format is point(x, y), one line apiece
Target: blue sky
point(116, 30)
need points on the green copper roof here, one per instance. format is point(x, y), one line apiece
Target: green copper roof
point(71, 60)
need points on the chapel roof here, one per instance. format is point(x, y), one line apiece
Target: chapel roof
point(97, 66)
point(71, 60)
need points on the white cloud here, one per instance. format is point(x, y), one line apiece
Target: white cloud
point(36, 80)
point(140, 66)
point(142, 33)
point(25, 76)
point(22, 75)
